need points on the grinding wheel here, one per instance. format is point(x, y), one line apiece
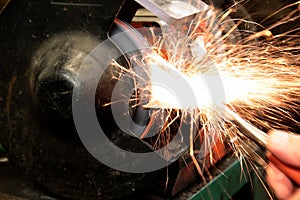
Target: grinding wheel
point(42, 42)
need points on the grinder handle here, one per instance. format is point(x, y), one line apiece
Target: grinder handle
point(290, 171)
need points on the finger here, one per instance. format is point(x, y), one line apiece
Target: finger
point(285, 146)
point(295, 195)
point(279, 182)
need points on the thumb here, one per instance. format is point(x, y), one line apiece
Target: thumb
point(285, 146)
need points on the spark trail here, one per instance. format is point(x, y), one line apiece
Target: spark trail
point(259, 71)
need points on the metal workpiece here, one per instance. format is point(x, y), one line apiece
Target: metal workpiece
point(262, 138)
point(251, 131)
point(173, 11)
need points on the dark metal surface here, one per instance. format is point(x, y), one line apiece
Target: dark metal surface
point(25, 25)
point(41, 43)
point(15, 186)
point(228, 183)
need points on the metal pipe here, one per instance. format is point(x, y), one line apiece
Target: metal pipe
point(262, 138)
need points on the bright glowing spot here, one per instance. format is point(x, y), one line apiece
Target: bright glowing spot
point(170, 88)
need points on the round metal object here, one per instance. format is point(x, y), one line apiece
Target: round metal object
point(42, 45)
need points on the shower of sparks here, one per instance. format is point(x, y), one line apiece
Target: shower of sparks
point(260, 73)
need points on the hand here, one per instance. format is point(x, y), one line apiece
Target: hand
point(285, 147)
